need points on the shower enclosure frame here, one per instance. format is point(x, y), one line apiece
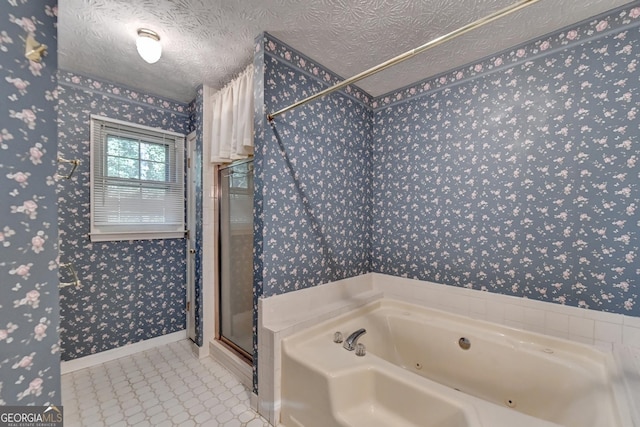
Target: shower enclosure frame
point(219, 336)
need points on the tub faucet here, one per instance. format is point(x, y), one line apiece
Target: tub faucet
point(350, 343)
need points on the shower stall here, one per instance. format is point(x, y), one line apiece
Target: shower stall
point(235, 286)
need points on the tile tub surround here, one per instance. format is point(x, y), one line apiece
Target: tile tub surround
point(130, 290)
point(282, 315)
point(606, 331)
point(312, 181)
point(425, 220)
point(519, 173)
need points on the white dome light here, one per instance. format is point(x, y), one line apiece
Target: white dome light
point(148, 44)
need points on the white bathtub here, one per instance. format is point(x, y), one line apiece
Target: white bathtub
point(415, 373)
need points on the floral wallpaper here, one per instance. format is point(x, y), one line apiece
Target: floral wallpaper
point(196, 117)
point(316, 182)
point(29, 351)
point(312, 177)
point(260, 151)
point(129, 290)
point(519, 174)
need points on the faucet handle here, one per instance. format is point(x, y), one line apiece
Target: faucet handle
point(337, 337)
point(361, 350)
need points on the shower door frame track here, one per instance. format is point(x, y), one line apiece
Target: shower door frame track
point(230, 345)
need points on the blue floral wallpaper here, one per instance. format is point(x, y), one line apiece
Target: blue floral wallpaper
point(312, 177)
point(519, 174)
point(316, 183)
point(129, 290)
point(29, 351)
point(196, 122)
point(259, 121)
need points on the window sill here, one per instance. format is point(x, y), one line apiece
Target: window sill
point(139, 235)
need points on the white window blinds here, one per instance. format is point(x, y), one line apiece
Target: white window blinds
point(137, 182)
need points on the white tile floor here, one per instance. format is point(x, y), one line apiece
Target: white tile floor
point(165, 386)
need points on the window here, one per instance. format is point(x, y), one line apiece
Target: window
point(137, 182)
point(237, 179)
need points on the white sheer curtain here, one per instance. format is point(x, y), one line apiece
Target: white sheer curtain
point(232, 120)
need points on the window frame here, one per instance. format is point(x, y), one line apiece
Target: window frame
point(174, 185)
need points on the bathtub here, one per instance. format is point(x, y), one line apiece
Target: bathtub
point(424, 367)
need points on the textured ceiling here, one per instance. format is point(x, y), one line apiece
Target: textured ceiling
point(208, 41)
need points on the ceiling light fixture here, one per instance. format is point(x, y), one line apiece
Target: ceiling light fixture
point(148, 44)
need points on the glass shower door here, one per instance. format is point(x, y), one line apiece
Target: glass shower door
point(235, 296)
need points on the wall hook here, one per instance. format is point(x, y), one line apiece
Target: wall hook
point(34, 50)
point(76, 281)
point(74, 162)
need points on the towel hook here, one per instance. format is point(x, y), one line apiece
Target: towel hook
point(74, 162)
point(76, 281)
point(34, 50)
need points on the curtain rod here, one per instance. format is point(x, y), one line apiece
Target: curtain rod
point(409, 54)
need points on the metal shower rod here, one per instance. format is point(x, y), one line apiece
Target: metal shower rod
point(410, 54)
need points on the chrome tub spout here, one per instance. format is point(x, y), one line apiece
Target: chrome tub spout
point(350, 343)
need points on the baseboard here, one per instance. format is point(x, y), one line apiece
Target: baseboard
point(242, 370)
point(199, 352)
point(253, 401)
point(116, 353)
